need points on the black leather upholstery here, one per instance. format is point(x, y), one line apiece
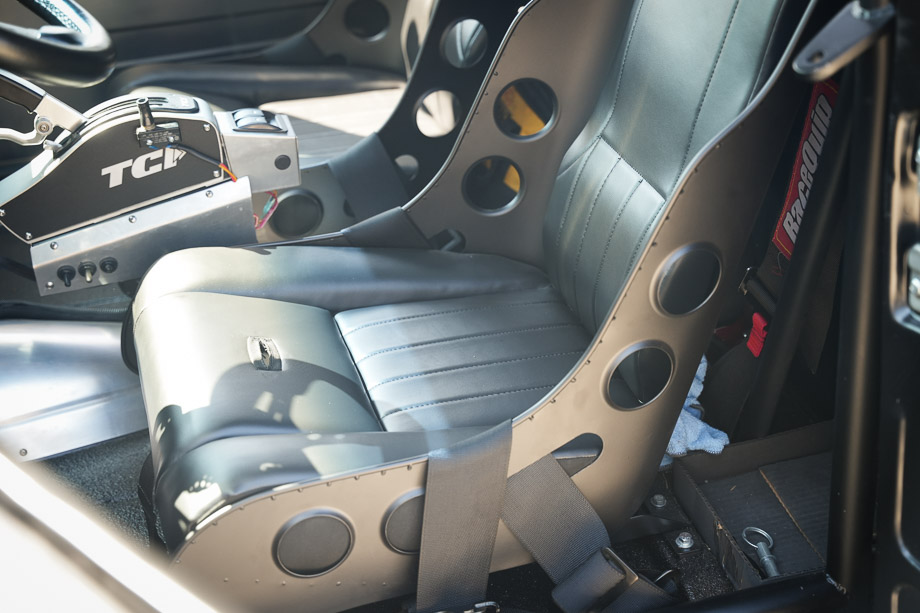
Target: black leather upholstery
point(442, 340)
point(472, 361)
point(684, 69)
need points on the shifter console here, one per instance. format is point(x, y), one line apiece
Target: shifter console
point(133, 179)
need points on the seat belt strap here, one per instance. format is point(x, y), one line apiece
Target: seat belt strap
point(467, 489)
point(463, 499)
point(552, 519)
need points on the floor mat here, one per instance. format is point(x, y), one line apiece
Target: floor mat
point(789, 500)
point(105, 476)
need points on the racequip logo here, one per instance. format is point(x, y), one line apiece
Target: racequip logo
point(143, 166)
point(820, 109)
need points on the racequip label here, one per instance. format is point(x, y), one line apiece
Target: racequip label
point(808, 156)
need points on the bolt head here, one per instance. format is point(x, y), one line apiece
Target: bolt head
point(684, 540)
point(49, 285)
point(658, 501)
point(132, 219)
point(216, 174)
point(2, 212)
point(207, 127)
point(23, 452)
point(53, 246)
point(209, 194)
point(914, 287)
point(28, 236)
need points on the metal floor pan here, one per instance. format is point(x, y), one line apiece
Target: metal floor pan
point(63, 386)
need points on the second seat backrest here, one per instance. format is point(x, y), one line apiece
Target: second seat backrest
point(685, 70)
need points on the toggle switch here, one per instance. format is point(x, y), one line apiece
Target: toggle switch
point(66, 274)
point(86, 270)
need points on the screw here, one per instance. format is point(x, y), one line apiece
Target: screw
point(28, 236)
point(23, 452)
point(43, 125)
point(132, 219)
point(684, 540)
point(914, 288)
point(171, 139)
point(50, 284)
point(658, 501)
point(148, 142)
point(209, 194)
point(53, 246)
point(207, 127)
point(216, 174)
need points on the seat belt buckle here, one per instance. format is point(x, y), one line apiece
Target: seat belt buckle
point(629, 578)
point(751, 287)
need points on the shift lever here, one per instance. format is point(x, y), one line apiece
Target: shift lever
point(49, 111)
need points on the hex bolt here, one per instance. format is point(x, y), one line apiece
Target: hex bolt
point(658, 501)
point(684, 540)
point(914, 287)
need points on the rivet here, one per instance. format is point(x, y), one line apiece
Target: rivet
point(209, 194)
point(53, 246)
point(132, 219)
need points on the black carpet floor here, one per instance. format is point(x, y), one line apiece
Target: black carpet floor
point(105, 476)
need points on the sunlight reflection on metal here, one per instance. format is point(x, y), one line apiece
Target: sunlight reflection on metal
point(192, 504)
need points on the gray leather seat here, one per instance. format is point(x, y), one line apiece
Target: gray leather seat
point(404, 340)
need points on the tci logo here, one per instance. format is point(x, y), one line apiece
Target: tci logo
point(143, 166)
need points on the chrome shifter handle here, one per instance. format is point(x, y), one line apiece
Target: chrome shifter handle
point(49, 111)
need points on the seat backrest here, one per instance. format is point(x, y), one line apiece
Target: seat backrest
point(685, 70)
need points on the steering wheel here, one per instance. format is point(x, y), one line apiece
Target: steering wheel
point(74, 49)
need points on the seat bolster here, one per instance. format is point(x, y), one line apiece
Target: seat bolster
point(201, 382)
point(333, 278)
point(229, 470)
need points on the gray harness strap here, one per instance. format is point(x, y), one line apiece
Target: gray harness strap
point(463, 499)
point(561, 530)
point(467, 490)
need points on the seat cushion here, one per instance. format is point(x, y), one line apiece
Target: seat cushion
point(200, 384)
point(472, 361)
